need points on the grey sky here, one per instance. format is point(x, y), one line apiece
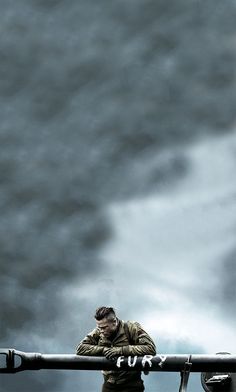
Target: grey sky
point(117, 154)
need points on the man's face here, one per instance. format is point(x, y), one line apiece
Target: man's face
point(107, 327)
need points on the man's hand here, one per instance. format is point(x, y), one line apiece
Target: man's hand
point(112, 352)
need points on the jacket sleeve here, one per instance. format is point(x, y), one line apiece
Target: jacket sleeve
point(89, 345)
point(143, 343)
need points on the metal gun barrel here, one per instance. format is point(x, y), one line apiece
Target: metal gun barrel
point(13, 361)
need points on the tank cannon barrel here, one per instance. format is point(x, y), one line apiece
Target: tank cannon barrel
point(13, 361)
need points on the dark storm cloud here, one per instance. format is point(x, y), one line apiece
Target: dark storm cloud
point(102, 67)
point(90, 91)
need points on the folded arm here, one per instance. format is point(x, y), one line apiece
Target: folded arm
point(142, 345)
point(89, 346)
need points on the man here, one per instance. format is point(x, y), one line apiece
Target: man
point(113, 338)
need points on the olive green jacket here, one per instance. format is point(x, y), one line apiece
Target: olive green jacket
point(137, 343)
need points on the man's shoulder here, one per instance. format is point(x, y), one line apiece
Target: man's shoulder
point(133, 324)
point(94, 333)
point(135, 328)
point(132, 329)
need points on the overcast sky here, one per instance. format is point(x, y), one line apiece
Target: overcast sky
point(117, 157)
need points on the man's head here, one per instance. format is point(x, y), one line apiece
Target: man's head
point(106, 321)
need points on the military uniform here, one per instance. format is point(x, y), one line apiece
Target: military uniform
point(130, 339)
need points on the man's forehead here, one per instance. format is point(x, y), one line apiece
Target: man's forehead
point(103, 322)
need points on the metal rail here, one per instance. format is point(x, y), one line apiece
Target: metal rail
point(13, 361)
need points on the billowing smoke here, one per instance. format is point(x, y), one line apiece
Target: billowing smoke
point(94, 95)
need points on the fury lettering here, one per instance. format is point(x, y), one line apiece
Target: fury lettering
point(147, 359)
point(162, 361)
point(119, 360)
point(130, 363)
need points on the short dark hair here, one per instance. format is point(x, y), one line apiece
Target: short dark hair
point(105, 312)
